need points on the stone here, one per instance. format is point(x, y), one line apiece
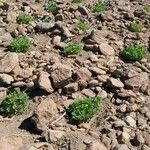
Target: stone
point(130, 121)
point(44, 82)
point(106, 49)
point(84, 74)
point(83, 10)
point(71, 88)
point(88, 92)
point(6, 79)
point(8, 62)
point(137, 140)
point(97, 71)
point(102, 94)
point(119, 123)
point(145, 147)
point(3, 92)
point(95, 145)
point(93, 58)
point(61, 75)
point(126, 93)
point(112, 82)
point(122, 147)
point(11, 16)
point(124, 137)
point(6, 37)
point(54, 135)
point(43, 114)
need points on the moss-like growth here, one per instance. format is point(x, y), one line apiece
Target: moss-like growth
point(20, 45)
point(99, 7)
point(73, 48)
point(51, 7)
point(13, 103)
point(147, 9)
point(135, 27)
point(83, 109)
point(133, 53)
point(77, 1)
point(82, 26)
point(24, 18)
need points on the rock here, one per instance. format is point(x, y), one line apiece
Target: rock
point(84, 74)
point(106, 50)
point(126, 93)
point(124, 137)
point(71, 88)
point(141, 80)
point(93, 58)
point(6, 37)
point(132, 107)
point(57, 42)
point(122, 147)
point(102, 94)
point(130, 121)
point(6, 79)
point(61, 75)
point(43, 114)
point(119, 123)
point(8, 62)
point(83, 10)
point(112, 82)
point(95, 145)
point(42, 26)
point(44, 82)
point(3, 92)
point(88, 92)
point(11, 143)
point(97, 71)
point(53, 135)
point(137, 140)
point(145, 147)
point(11, 16)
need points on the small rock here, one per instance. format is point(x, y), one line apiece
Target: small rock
point(6, 79)
point(119, 123)
point(88, 92)
point(83, 10)
point(8, 62)
point(44, 82)
point(122, 147)
point(126, 93)
point(137, 140)
point(93, 58)
point(6, 37)
point(106, 50)
point(3, 92)
point(145, 147)
point(130, 121)
point(123, 137)
point(112, 82)
point(97, 71)
point(71, 88)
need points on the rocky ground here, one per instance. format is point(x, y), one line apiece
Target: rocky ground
point(53, 80)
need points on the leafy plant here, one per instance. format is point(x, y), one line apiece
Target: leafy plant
point(51, 7)
point(20, 44)
point(99, 7)
point(77, 1)
point(82, 26)
point(73, 48)
point(24, 18)
point(83, 109)
point(147, 9)
point(135, 27)
point(133, 53)
point(13, 103)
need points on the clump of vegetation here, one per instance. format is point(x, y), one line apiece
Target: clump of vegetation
point(133, 53)
point(83, 109)
point(135, 27)
point(13, 103)
point(51, 7)
point(20, 44)
point(73, 48)
point(147, 9)
point(82, 26)
point(77, 1)
point(99, 7)
point(24, 18)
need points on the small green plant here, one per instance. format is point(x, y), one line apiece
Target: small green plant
point(133, 53)
point(77, 1)
point(13, 103)
point(51, 7)
point(135, 27)
point(82, 26)
point(24, 18)
point(147, 9)
point(99, 7)
point(20, 44)
point(83, 109)
point(73, 48)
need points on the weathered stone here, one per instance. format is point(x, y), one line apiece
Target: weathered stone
point(97, 71)
point(112, 82)
point(6, 37)
point(88, 92)
point(72, 87)
point(130, 121)
point(6, 79)
point(3, 92)
point(122, 147)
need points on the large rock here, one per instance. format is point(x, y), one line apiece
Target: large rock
point(44, 82)
point(8, 62)
point(43, 114)
point(61, 75)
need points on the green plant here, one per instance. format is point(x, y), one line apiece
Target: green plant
point(19, 44)
point(24, 18)
point(147, 9)
point(51, 7)
point(135, 27)
point(133, 53)
point(99, 7)
point(77, 1)
point(82, 26)
point(83, 109)
point(73, 48)
point(13, 103)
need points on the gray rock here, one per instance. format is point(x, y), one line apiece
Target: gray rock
point(112, 82)
point(145, 147)
point(71, 88)
point(97, 71)
point(3, 92)
point(8, 62)
point(6, 79)
point(119, 123)
point(6, 37)
point(88, 92)
point(130, 121)
point(122, 147)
